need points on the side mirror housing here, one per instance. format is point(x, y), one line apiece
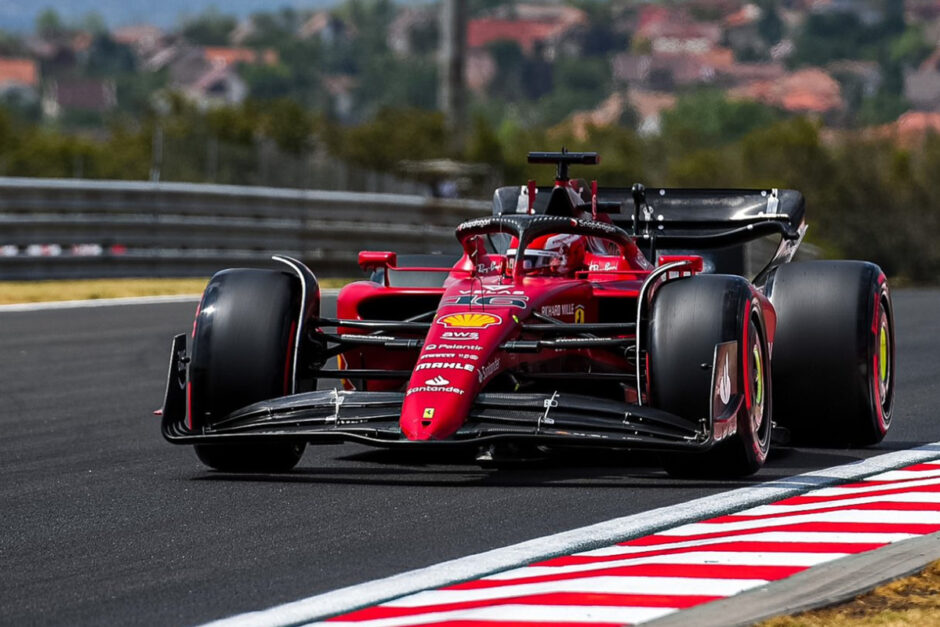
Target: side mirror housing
point(695, 263)
point(373, 259)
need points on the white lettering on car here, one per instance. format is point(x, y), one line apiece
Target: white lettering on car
point(438, 356)
point(445, 365)
point(476, 348)
point(424, 388)
point(460, 336)
point(565, 309)
point(495, 266)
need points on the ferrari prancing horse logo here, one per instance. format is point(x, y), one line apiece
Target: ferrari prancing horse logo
point(428, 413)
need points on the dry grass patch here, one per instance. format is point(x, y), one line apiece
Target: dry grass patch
point(912, 601)
point(88, 289)
point(12, 292)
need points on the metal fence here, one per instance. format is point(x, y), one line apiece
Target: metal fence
point(63, 228)
point(198, 158)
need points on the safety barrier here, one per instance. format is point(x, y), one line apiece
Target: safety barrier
point(62, 228)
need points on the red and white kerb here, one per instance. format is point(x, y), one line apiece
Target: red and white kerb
point(649, 577)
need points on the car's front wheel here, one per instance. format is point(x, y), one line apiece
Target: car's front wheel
point(243, 348)
point(688, 319)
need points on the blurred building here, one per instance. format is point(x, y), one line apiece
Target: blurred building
point(78, 95)
point(530, 26)
point(19, 80)
point(809, 90)
point(922, 86)
point(143, 39)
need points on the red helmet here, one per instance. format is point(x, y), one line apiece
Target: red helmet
point(560, 255)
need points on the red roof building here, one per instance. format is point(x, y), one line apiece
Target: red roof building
point(810, 90)
point(909, 129)
point(525, 24)
point(525, 33)
point(224, 57)
point(18, 72)
point(673, 30)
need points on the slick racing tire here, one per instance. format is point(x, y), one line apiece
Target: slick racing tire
point(833, 361)
point(689, 317)
point(243, 343)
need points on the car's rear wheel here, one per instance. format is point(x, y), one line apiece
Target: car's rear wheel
point(689, 318)
point(243, 343)
point(833, 361)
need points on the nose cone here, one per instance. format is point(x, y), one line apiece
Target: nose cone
point(429, 423)
point(446, 378)
point(413, 429)
point(473, 320)
point(438, 400)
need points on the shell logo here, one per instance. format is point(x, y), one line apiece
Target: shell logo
point(470, 320)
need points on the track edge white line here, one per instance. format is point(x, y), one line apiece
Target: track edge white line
point(370, 593)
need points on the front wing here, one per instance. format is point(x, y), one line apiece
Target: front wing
point(373, 418)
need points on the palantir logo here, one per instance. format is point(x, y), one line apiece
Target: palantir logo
point(437, 382)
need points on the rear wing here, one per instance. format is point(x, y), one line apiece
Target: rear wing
point(699, 218)
point(684, 219)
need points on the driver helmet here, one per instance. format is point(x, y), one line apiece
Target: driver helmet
point(558, 255)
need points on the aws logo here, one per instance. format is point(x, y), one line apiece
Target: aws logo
point(469, 320)
point(460, 336)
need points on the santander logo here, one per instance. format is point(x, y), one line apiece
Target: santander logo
point(437, 382)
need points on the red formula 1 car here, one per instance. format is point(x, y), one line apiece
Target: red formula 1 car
point(575, 317)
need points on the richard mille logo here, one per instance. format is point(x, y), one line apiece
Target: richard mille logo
point(437, 382)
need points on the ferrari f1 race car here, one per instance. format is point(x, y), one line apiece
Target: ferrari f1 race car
point(575, 317)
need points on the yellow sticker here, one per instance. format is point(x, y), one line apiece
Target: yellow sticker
point(428, 413)
point(470, 320)
point(579, 315)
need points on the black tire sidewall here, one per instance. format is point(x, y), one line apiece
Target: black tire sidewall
point(824, 351)
point(243, 344)
point(688, 318)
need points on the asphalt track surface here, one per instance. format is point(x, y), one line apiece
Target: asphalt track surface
point(102, 522)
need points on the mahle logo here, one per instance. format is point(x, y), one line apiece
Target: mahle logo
point(470, 320)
